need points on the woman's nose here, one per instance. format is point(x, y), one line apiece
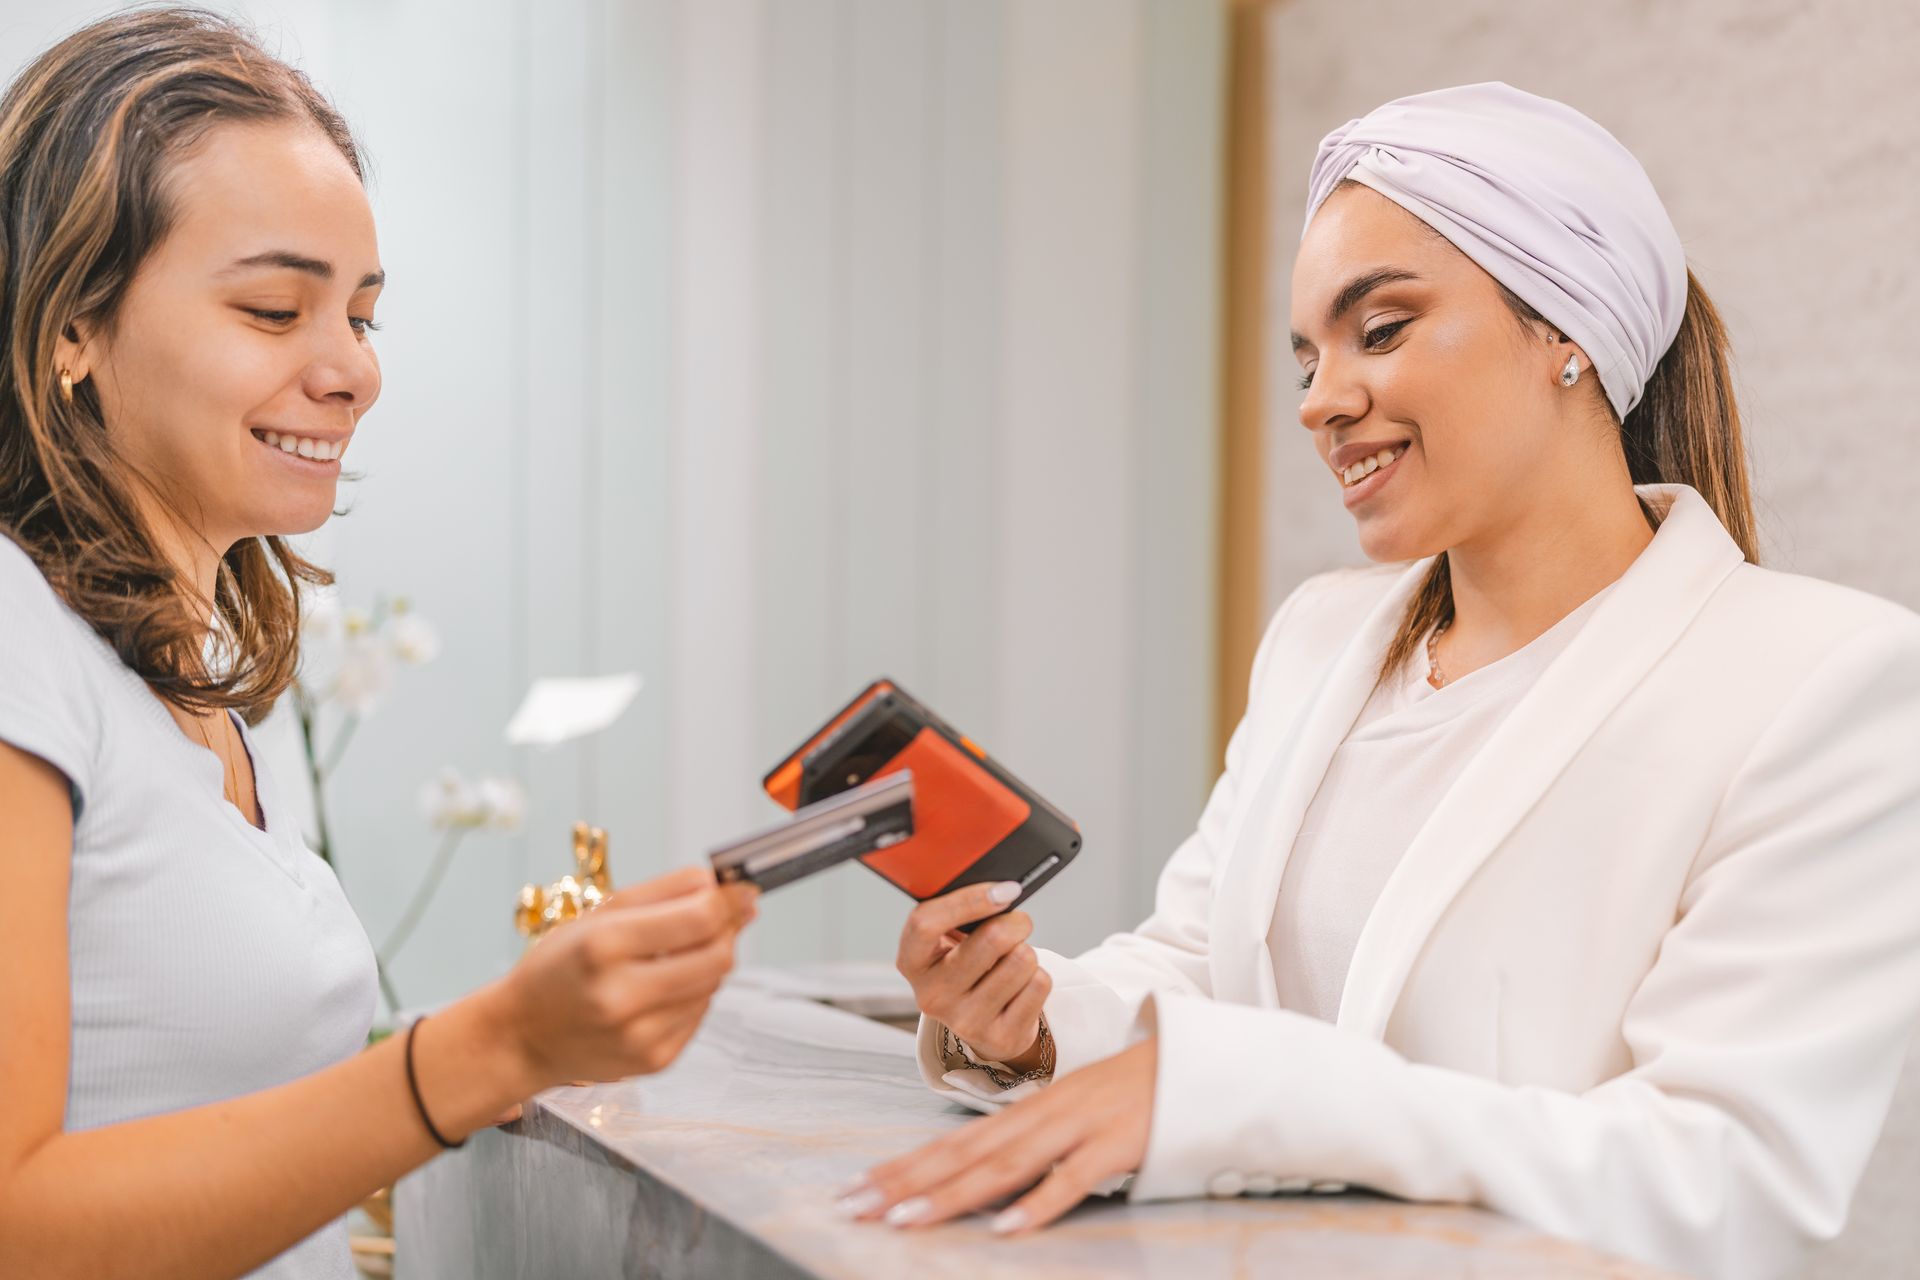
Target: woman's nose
point(1333, 399)
point(344, 369)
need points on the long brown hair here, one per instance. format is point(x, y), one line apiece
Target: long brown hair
point(87, 135)
point(1684, 430)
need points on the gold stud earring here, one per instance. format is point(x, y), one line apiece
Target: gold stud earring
point(66, 385)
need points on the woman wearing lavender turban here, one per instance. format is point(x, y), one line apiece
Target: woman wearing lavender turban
point(1566, 861)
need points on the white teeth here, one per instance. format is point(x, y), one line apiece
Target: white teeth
point(1368, 465)
point(319, 450)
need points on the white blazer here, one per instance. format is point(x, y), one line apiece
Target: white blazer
point(1644, 979)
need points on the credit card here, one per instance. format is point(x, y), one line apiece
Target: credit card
point(852, 824)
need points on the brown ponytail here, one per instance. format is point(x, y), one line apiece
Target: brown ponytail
point(1684, 430)
point(87, 135)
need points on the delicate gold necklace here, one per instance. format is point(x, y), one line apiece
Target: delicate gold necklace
point(230, 778)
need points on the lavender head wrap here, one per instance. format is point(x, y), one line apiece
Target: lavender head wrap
point(1544, 200)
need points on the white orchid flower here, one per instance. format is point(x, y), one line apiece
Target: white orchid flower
point(321, 620)
point(494, 804)
point(503, 804)
point(449, 801)
point(365, 672)
point(414, 639)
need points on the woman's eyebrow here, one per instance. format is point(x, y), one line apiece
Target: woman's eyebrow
point(283, 258)
point(1356, 289)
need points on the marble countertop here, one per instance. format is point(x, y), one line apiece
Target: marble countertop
point(726, 1164)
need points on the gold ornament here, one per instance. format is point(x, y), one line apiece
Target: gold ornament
point(540, 908)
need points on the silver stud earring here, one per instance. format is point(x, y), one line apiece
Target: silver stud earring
point(1570, 374)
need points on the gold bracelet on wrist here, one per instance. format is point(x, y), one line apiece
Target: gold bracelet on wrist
point(1041, 1072)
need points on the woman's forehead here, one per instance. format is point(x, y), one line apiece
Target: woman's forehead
point(1359, 234)
point(280, 183)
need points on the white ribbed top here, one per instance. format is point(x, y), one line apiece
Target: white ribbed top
point(1408, 745)
point(208, 958)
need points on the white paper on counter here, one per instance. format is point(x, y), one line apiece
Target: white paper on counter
point(556, 710)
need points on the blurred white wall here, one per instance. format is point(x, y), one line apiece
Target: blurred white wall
point(765, 346)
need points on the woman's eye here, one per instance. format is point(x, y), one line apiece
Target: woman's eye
point(1374, 337)
point(363, 325)
point(1372, 340)
point(275, 317)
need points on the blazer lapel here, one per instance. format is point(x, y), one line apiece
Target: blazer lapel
point(1654, 601)
point(1263, 838)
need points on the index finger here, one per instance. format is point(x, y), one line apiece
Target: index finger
point(661, 928)
point(744, 897)
point(933, 919)
point(674, 884)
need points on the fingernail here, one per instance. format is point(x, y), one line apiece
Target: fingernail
point(1010, 1220)
point(908, 1212)
point(859, 1203)
point(1005, 891)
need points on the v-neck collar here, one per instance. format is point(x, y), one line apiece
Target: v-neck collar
point(1653, 602)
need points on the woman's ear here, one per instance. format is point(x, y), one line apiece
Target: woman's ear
point(73, 352)
point(1562, 347)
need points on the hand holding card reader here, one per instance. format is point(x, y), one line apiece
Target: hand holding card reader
point(974, 821)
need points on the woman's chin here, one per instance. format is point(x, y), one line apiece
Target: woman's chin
point(1388, 541)
point(294, 519)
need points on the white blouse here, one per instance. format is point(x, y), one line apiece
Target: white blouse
point(1406, 748)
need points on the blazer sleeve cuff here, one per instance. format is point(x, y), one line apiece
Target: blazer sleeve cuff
point(1196, 1146)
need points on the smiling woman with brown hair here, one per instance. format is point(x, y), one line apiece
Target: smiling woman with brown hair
point(1566, 861)
point(190, 273)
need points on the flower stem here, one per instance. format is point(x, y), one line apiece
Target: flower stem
point(421, 896)
point(386, 986)
point(340, 742)
point(323, 843)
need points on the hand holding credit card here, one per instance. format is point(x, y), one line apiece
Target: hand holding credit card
point(854, 823)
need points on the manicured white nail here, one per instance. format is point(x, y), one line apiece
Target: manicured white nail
point(1010, 1220)
point(908, 1212)
point(859, 1203)
point(1005, 891)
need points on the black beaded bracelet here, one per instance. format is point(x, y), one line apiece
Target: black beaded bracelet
point(419, 1103)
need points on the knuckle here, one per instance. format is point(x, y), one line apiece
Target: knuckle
point(595, 949)
point(1002, 934)
point(604, 1008)
point(1002, 1167)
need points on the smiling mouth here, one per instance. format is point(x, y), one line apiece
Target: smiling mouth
point(1360, 470)
point(302, 446)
